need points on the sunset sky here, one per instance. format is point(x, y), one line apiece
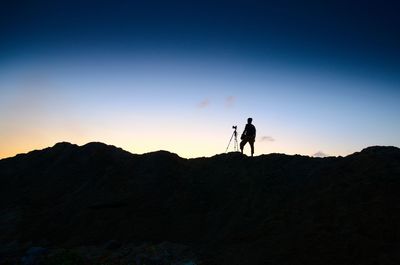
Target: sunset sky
point(315, 76)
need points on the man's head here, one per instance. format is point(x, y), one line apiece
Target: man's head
point(249, 120)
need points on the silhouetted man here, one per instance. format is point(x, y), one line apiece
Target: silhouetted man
point(248, 136)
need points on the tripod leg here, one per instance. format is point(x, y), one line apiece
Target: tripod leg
point(235, 146)
point(229, 142)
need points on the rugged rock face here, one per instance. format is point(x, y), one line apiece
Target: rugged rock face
point(230, 209)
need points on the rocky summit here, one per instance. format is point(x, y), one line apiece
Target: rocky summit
point(98, 204)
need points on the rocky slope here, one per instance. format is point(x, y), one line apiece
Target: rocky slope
point(228, 209)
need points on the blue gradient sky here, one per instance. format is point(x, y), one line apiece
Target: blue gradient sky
point(315, 77)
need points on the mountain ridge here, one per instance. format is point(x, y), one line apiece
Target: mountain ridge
point(229, 208)
point(94, 145)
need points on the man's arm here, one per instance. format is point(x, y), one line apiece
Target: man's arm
point(245, 129)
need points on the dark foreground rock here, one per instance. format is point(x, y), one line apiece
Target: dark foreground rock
point(165, 253)
point(227, 209)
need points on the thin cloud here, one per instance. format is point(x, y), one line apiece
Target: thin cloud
point(320, 154)
point(267, 139)
point(230, 101)
point(203, 104)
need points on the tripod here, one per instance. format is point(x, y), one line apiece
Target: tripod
point(235, 141)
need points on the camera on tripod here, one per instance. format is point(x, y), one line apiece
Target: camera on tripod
point(235, 141)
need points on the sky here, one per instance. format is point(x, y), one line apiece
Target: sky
point(317, 77)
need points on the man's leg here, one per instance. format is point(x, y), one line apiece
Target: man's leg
point(242, 144)
point(252, 147)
